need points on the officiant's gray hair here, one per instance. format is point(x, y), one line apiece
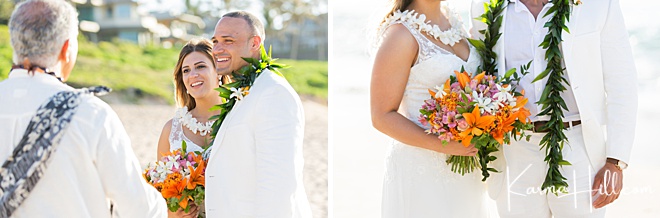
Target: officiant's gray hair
point(39, 28)
point(253, 21)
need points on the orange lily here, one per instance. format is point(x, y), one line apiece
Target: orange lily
point(505, 125)
point(184, 202)
point(463, 78)
point(432, 93)
point(480, 76)
point(476, 125)
point(196, 176)
point(522, 112)
point(174, 189)
point(447, 87)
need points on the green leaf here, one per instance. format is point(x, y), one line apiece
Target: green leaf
point(478, 44)
point(541, 76)
point(224, 92)
point(510, 72)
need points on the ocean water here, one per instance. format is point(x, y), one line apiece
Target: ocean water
point(358, 149)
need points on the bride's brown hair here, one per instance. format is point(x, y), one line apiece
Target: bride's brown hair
point(397, 5)
point(181, 95)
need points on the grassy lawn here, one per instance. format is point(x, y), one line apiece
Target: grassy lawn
point(147, 72)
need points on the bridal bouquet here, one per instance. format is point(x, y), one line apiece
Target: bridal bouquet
point(179, 177)
point(481, 110)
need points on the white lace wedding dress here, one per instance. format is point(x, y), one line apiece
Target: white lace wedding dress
point(418, 182)
point(177, 137)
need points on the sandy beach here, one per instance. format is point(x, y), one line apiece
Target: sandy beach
point(145, 122)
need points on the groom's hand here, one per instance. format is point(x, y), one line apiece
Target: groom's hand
point(607, 185)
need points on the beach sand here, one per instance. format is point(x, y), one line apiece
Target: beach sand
point(145, 122)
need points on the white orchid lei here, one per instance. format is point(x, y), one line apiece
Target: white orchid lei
point(416, 20)
point(191, 122)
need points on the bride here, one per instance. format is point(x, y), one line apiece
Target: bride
point(420, 44)
point(195, 81)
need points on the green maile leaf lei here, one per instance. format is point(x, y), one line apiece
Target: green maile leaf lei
point(243, 79)
point(486, 145)
point(551, 101)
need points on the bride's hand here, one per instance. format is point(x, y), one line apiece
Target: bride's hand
point(455, 148)
point(192, 213)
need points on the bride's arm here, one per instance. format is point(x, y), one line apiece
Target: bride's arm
point(164, 140)
point(391, 69)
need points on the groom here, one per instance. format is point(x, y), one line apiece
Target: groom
point(601, 103)
point(255, 167)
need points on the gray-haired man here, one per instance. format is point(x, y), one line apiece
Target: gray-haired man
point(69, 162)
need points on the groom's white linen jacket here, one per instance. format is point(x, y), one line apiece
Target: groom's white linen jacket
point(255, 166)
point(600, 66)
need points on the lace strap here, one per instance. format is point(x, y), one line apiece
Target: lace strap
point(25, 167)
point(176, 132)
point(417, 25)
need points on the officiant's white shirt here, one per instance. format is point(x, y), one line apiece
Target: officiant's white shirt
point(524, 35)
point(93, 164)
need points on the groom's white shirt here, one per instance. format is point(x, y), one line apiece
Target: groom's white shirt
point(600, 66)
point(255, 167)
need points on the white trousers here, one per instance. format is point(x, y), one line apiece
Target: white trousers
point(521, 194)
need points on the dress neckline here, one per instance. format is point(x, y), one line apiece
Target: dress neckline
point(452, 53)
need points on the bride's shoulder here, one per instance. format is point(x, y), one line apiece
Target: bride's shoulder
point(399, 35)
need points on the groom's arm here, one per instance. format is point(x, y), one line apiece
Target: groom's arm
point(620, 78)
point(279, 125)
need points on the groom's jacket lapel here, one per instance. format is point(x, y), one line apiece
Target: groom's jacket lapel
point(567, 44)
point(220, 137)
point(236, 110)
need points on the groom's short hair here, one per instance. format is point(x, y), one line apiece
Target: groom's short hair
point(255, 24)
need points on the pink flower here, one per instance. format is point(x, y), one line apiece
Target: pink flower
point(445, 136)
point(473, 84)
point(481, 88)
point(422, 120)
point(455, 87)
point(449, 119)
point(462, 125)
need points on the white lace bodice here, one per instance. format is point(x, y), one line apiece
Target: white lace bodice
point(177, 136)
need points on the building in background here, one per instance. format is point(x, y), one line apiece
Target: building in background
point(105, 20)
point(179, 28)
point(306, 40)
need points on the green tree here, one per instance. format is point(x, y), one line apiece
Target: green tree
point(6, 7)
point(281, 14)
point(211, 8)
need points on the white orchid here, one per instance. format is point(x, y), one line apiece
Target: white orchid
point(484, 103)
point(439, 92)
point(504, 96)
point(418, 21)
point(239, 93)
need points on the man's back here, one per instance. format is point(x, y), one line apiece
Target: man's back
point(93, 162)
